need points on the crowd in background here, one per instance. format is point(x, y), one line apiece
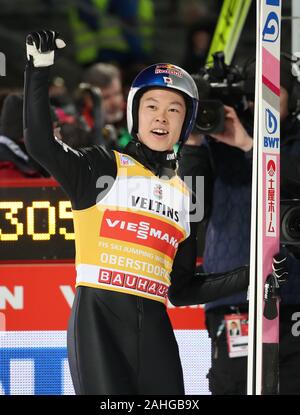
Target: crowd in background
point(108, 43)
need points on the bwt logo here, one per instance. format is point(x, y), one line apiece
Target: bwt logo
point(271, 126)
point(271, 122)
point(2, 64)
point(271, 142)
point(273, 2)
point(272, 26)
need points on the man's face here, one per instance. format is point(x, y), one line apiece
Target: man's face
point(161, 116)
point(113, 101)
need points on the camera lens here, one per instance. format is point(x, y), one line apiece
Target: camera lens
point(291, 224)
point(207, 117)
point(210, 116)
point(294, 225)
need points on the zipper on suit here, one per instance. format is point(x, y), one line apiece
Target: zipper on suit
point(140, 312)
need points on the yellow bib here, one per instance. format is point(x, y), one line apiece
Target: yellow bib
point(127, 241)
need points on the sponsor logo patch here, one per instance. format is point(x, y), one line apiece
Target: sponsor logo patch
point(126, 161)
point(142, 230)
point(141, 284)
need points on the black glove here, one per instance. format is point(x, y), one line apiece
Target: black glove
point(40, 47)
point(273, 282)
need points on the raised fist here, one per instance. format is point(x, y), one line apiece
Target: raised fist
point(40, 47)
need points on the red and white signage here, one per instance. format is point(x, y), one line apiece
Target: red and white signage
point(39, 297)
point(141, 229)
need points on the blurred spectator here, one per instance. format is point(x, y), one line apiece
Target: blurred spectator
point(107, 77)
point(14, 160)
point(60, 97)
point(58, 88)
point(112, 30)
point(83, 125)
point(197, 45)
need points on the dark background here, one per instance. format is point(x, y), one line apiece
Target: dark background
point(172, 20)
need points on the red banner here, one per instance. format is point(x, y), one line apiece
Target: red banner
point(141, 229)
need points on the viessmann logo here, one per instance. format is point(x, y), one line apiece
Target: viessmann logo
point(141, 229)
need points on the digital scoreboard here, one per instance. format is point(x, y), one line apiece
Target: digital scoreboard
point(36, 222)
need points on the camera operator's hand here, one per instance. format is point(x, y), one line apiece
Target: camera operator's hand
point(40, 47)
point(234, 133)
